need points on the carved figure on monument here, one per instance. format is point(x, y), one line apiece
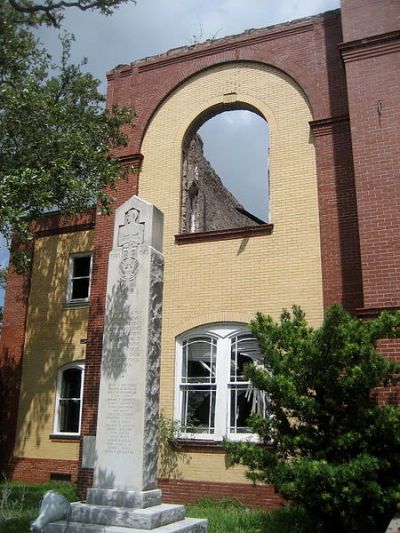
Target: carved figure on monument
point(128, 266)
point(132, 232)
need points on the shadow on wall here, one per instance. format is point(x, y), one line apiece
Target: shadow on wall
point(117, 331)
point(344, 277)
point(55, 336)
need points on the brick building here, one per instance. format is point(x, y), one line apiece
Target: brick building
point(329, 88)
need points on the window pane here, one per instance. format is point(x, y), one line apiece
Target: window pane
point(80, 288)
point(71, 383)
point(69, 416)
point(198, 410)
point(240, 410)
point(244, 350)
point(81, 266)
point(199, 360)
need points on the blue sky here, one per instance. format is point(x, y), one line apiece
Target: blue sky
point(151, 27)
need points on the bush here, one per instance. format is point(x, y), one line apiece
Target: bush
point(325, 445)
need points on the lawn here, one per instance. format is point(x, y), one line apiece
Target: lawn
point(19, 505)
point(228, 516)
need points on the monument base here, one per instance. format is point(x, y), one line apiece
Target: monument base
point(116, 511)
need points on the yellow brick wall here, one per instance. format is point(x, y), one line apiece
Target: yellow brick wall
point(53, 334)
point(231, 280)
point(201, 467)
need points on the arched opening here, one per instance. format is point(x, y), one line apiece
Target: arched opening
point(225, 176)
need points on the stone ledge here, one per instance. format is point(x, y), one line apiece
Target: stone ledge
point(188, 525)
point(224, 234)
point(131, 498)
point(150, 518)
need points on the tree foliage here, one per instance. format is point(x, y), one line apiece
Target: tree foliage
point(55, 137)
point(326, 446)
point(3, 278)
point(51, 12)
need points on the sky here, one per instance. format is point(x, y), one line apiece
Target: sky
point(151, 27)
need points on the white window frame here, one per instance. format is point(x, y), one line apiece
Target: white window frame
point(223, 333)
point(61, 370)
point(71, 278)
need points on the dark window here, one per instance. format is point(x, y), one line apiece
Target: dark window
point(79, 280)
point(69, 400)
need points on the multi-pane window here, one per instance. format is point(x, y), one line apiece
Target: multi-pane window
point(213, 398)
point(199, 384)
point(69, 399)
point(80, 268)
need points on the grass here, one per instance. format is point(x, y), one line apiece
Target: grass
point(19, 505)
point(233, 517)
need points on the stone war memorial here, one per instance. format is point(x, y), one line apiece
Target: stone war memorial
point(124, 452)
point(84, 365)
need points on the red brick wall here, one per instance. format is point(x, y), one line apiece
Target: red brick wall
point(362, 18)
point(32, 470)
point(179, 491)
point(373, 84)
point(341, 266)
point(11, 353)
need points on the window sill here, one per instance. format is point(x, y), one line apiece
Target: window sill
point(201, 446)
point(207, 446)
point(224, 234)
point(60, 437)
point(75, 305)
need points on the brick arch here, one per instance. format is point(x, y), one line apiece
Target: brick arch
point(214, 318)
point(215, 106)
point(291, 72)
point(217, 109)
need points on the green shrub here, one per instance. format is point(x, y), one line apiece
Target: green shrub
point(326, 446)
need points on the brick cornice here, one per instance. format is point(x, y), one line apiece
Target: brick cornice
point(65, 229)
point(327, 126)
point(375, 46)
point(373, 312)
point(131, 160)
point(56, 223)
point(213, 49)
